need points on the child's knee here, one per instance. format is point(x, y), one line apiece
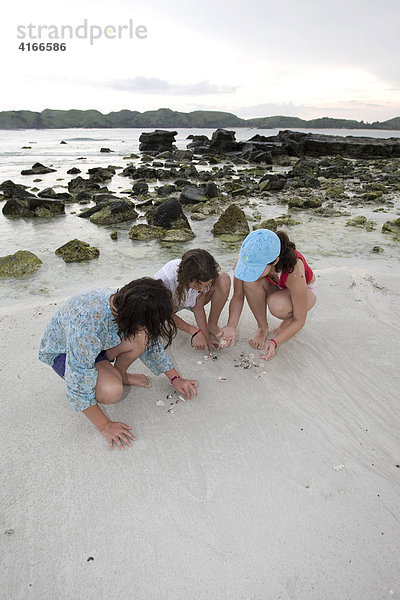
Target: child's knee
point(109, 391)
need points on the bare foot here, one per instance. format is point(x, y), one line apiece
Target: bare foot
point(258, 340)
point(135, 379)
point(281, 327)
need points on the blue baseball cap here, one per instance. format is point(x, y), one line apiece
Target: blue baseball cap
point(261, 247)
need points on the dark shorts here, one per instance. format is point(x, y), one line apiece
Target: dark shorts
point(59, 362)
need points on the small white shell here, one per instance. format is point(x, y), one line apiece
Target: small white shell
point(199, 362)
point(222, 378)
point(223, 343)
point(181, 398)
point(205, 357)
point(160, 403)
point(338, 467)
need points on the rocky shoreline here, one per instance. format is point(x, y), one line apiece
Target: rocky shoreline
point(216, 177)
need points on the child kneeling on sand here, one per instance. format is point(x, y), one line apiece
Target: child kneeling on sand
point(93, 329)
point(270, 273)
point(194, 280)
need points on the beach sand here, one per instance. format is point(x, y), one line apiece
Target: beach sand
point(282, 487)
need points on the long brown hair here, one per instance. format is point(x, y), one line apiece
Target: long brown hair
point(287, 257)
point(145, 303)
point(196, 265)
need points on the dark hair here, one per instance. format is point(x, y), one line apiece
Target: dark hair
point(196, 265)
point(145, 303)
point(287, 256)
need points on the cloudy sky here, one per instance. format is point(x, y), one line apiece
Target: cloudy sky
point(308, 58)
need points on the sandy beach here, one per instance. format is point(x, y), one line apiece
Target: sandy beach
point(279, 486)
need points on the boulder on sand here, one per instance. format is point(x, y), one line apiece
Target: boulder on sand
point(77, 251)
point(20, 264)
point(232, 221)
point(169, 215)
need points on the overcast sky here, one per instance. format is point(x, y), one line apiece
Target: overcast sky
point(306, 58)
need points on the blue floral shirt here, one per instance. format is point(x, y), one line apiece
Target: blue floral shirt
point(81, 328)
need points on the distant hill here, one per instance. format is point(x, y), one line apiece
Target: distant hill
point(165, 117)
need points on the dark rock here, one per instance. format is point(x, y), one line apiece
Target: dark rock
point(304, 167)
point(14, 190)
point(166, 190)
point(223, 141)
point(99, 174)
point(140, 187)
point(211, 190)
point(114, 235)
point(232, 221)
point(20, 264)
point(38, 169)
point(168, 215)
point(31, 207)
point(116, 211)
point(62, 142)
point(192, 195)
point(78, 184)
point(47, 193)
point(74, 171)
point(312, 144)
point(272, 182)
point(106, 150)
point(157, 141)
point(77, 251)
point(180, 183)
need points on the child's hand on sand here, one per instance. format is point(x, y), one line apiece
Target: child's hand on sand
point(200, 342)
point(119, 433)
point(187, 387)
point(269, 351)
point(227, 337)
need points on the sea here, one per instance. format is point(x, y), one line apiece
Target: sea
point(326, 242)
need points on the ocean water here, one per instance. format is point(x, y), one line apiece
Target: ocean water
point(325, 242)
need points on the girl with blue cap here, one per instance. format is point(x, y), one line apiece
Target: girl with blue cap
point(270, 273)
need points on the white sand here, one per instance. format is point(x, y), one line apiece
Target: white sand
point(233, 496)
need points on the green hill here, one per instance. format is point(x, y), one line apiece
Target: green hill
point(165, 117)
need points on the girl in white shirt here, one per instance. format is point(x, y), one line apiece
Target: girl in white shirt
point(194, 280)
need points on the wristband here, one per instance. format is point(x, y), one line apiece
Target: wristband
point(191, 339)
point(174, 377)
point(276, 345)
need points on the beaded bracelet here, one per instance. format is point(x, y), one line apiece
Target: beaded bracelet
point(191, 339)
point(174, 377)
point(276, 345)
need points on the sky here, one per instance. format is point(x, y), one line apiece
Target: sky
point(254, 58)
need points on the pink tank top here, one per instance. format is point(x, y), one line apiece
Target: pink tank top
point(283, 277)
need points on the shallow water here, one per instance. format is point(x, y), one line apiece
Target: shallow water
point(324, 241)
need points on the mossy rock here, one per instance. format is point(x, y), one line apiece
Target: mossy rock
point(177, 235)
point(77, 251)
point(114, 235)
point(307, 203)
point(372, 197)
point(232, 221)
point(145, 232)
point(43, 212)
point(375, 187)
point(391, 226)
point(231, 238)
point(361, 221)
point(20, 264)
point(377, 249)
point(196, 216)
